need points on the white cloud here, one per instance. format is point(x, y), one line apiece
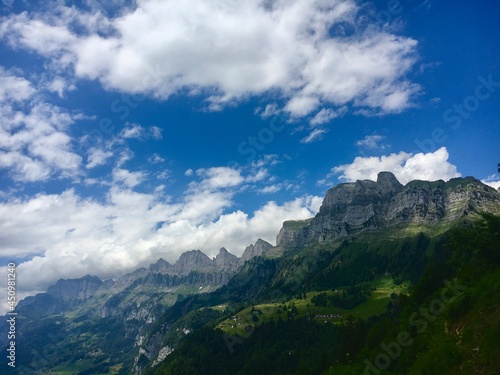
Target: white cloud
point(258, 175)
point(133, 131)
point(406, 167)
point(155, 159)
point(325, 115)
point(228, 53)
point(67, 235)
point(314, 135)
point(266, 160)
point(300, 106)
point(372, 142)
point(129, 179)
point(493, 181)
point(219, 177)
point(163, 175)
point(189, 173)
point(97, 157)
point(33, 134)
point(60, 86)
point(270, 110)
point(270, 189)
point(14, 88)
point(136, 131)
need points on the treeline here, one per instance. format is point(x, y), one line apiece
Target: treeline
point(297, 346)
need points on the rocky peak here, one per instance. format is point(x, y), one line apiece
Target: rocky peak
point(387, 183)
point(161, 266)
point(259, 248)
point(225, 261)
point(194, 260)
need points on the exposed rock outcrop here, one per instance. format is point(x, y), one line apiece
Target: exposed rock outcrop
point(363, 205)
point(226, 262)
point(194, 260)
point(260, 247)
point(75, 289)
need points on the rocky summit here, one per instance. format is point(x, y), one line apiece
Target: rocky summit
point(363, 205)
point(261, 247)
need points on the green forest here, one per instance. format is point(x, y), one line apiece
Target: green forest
point(448, 322)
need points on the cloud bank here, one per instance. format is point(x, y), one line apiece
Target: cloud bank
point(227, 51)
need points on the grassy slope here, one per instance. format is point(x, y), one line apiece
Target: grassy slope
point(376, 304)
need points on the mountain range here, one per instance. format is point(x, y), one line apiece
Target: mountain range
point(365, 234)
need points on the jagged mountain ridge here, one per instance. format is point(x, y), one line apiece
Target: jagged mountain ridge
point(351, 208)
point(193, 269)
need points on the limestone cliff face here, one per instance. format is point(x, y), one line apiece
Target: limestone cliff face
point(193, 260)
point(363, 205)
point(75, 289)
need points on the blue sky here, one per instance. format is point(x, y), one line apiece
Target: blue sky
point(146, 128)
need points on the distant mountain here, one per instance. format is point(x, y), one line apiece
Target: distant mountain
point(64, 296)
point(193, 272)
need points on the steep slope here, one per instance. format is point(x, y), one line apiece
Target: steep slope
point(352, 208)
point(448, 324)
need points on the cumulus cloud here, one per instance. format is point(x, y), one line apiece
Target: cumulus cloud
point(68, 235)
point(34, 143)
point(406, 167)
point(218, 177)
point(14, 88)
point(97, 157)
point(60, 85)
point(133, 131)
point(128, 178)
point(228, 53)
point(156, 159)
point(493, 181)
